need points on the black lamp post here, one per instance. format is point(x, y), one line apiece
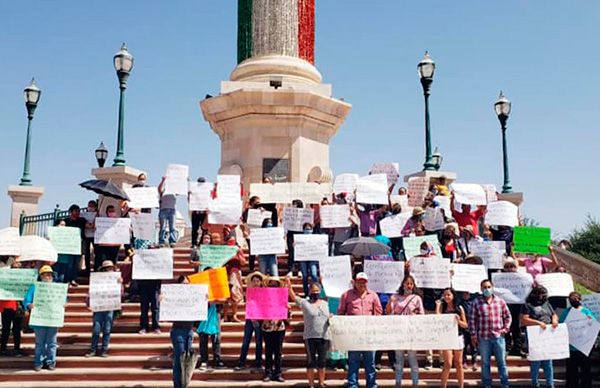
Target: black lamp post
point(502, 107)
point(32, 96)
point(123, 62)
point(101, 154)
point(426, 70)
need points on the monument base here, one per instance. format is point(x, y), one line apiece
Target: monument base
point(434, 176)
point(25, 200)
point(122, 176)
point(514, 198)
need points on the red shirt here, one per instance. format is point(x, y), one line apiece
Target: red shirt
point(464, 219)
point(8, 305)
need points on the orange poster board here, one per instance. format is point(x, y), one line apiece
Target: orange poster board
point(216, 278)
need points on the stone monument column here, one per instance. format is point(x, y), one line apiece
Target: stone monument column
point(274, 116)
point(24, 201)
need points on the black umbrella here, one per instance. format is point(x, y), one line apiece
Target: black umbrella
point(105, 188)
point(364, 246)
point(188, 362)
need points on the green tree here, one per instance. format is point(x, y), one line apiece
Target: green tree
point(586, 241)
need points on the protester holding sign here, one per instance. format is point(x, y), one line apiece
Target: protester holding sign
point(359, 300)
point(579, 364)
point(166, 214)
point(316, 336)
point(268, 263)
point(447, 305)
point(273, 332)
point(406, 302)
point(88, 242)
point(488, 322)
point(539, 264)
point(210, 329)
point(414, 223)
point(12, 317)
point(309, 269)
point(253, 204)
point(75, 220)
point(253, 280)
point(465, 216)
point(537, 311)
point(514, 338)
point(198, 216)
point(105, 251)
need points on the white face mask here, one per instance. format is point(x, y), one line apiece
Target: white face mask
point(424, 251)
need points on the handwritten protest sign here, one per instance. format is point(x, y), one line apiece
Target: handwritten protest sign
point(513, 287)
point(295, 218)
point(309, 247)
point(388, 332)
point(143, 226)
point(335, 216)
point(391, 226)
point(345, 183)
point(267, 241)
point(34, 247)
point(592, 302)
point(9, 242)
point(384, 276)
point(372, 189)
point(153, 264)
point(418, 187)
point(215, 256)
point(267, 303)
point(257, 216)
point(467, 277)
point(583, 331)
point(65, 239)
point(548, 344)
point(491, 252)
point(401, 200)
point(14, 283)
point(49, 301)
point(225, 212)
point(391, 170)
point(502, 213)
point(142, 197)
point(433, 219)
point(112, 230)
point(216, 279)
point(412, 245)
point(530, 239)
point(336, 275)
point(490, 193)
point(105, 291)
point(430, 272)
point(557, 284)
point(183, 302)
point(176, 181)
point(228, 188)
point(444, 204)
point(199, 195)
point(469, 193)
point(307, 192)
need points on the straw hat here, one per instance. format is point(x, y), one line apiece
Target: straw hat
point(107, 264)
point(270, 279)
point(417, 211)
point(253, 274)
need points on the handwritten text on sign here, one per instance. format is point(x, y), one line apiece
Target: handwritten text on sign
point(557, 284)
point(177, 179)
point(142, 197)
point(225, 212)
point(418, 187)
point(335, 216)
point(112, 230)
point(257, 216)
point(345, 183)
point(183, 302)
point(153, 264)
point(267, 303)
point(548, 344)
point(491, 252)
point(467, 277)
point(267, 241)
point(65, 239)
point(309, 247)
point(14, 283)
point(49, 304)
point(372, 189)
point(430, 272)
point(513, 287)
point(307, 192)
point(583, 331)
point(392, 226)
point(388, 332)
point(469, 193)
point(592, 302)
point(336, 275)
point(9, 242)
point(502, 213)
point(105, 291)
point(412, 245)
point(391, 170)
point(295, 218)
point(143, 226)
point(199, 195)
point(384, 276)
point(215, 256)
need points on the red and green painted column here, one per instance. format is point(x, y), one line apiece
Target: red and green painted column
point(279, 27)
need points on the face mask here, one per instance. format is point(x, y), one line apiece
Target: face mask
point(408, 291)
point(424, 251)
point(269, 225)
point(487, 292)
point(111, 214)
point(142, 182)
point(313, 297)
point(307, 231)
point(575, 303)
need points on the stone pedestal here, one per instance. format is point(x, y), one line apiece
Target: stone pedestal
point(121, 176)
point(514, 198)
point(25, 200)
point(434, 176)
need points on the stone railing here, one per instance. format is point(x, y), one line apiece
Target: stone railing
point(583, 270)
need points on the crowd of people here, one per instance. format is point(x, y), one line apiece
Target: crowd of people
point(486, 324)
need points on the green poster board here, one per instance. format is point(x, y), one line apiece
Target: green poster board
point(215, 256)
point(65, 239)
point(412, 245)
point(49, 304)
point(530, 239)
point(14, 283)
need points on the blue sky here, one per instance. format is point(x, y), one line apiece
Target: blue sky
point(542, 54)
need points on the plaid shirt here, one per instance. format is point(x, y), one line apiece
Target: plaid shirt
point(489, 320)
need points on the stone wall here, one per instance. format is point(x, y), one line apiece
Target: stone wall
point(583, 270)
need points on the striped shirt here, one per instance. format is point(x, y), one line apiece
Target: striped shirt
point(489, 319)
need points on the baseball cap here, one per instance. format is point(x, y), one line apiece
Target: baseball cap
point(362, 276)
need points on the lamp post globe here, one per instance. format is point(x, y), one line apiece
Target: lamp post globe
point(426, 69)
point(437, 159)
point(32, 96)
point(101, 154)
point(123, 63)
point(502, 107)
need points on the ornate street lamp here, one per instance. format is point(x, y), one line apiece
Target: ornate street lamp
point(502, 107)
point(32, 96)
point(437, 159)
point(123, 62)
point(101, 154)
point(426, 70)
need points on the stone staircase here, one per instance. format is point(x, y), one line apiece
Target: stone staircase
point(144, 361)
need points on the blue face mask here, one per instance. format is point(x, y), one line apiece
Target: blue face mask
point(269, 225)
point(487, 292)
point(307, 231)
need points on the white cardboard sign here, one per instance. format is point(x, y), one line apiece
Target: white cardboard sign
point(468, 277)
point(345, 183)
point(267, 241)
point(384, 276)
point(391, 170)
point(142, 197)
point(177, 179)
point(391, 226)
point(335, 216)
point(430, 272)
point(469, 194)
point(557, 284)
point(502, 213)
point(311, 247)
point(548, 344)
point(583, 331)
point(143, 226)
point(513, 287)
point(112, 230)
point(336, 275)
point(153, 264)
point(105, 291)
point(200, 195)
point(184, 302)
point(295, 218)
point(372, 189)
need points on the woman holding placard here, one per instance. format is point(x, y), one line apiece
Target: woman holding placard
point(447, 305)
point(406, 302)
point(273, 332)
point(268, 263)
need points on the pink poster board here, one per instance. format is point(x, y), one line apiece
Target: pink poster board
point(267, 303)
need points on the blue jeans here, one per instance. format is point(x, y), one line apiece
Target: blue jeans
point(103, 321)
point(45, 345)
point(268, 264)
point(305, 267)
point(167, 215)
point(548, 372)
point(249, 328)
point(368, 358)
point(495, 346)
point(412, 362)
point(182, 340)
